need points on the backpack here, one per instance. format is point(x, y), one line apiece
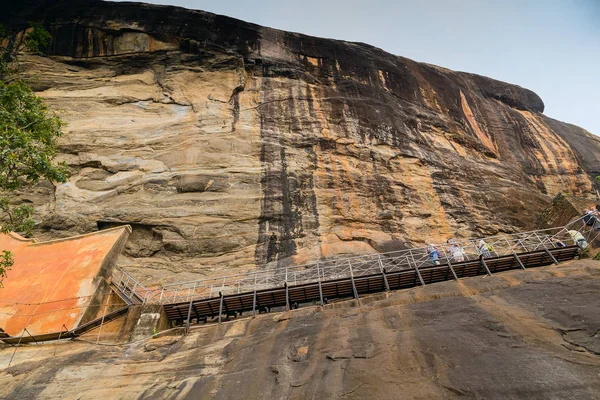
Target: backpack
point(489, 247)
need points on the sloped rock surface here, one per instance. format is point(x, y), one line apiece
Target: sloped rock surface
point(523, 334)
point(228, 145)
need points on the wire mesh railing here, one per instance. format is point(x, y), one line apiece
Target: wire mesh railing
point(130, 287)
point(37, 323)
point(454, 251)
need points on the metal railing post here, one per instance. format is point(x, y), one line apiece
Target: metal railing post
point(220, 306)
point(418, 273)
point(254, 298)
point(385, 281)
point(450, 265)
point(23, 333)
point(353, 284)
point(451, 268)
point(510, 248)
point(484, 265)
point(320, 287)
point(287, 296)
point(102, 321)
point(554, 260)
point(189, 316)
point(285, 286)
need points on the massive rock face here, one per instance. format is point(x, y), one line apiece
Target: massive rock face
point(227, 145)
point(522, 334)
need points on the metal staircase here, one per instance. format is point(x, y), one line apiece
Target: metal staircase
point(332, 280)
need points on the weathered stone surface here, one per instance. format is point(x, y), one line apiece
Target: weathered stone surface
point(564, 209)
point(227, 145)
point(521, 334)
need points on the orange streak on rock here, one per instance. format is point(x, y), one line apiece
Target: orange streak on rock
point(485, 139)
point(557, 159)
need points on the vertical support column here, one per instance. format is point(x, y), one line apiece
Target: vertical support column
point(254, 298)
point(320, 287)
point(450, 265)
point(419, 275)
point(518, 260)
point(385, 281)
point(416, 268)
point(20, 338)
point(102, 321)
point(194, 290)
point(353, 284)
point(554, 260)
point(120, 278)
point(484, 265)
point(189, 316)
point(58, 341)
point(452, 270)
point(220, 306)
point(287, 296)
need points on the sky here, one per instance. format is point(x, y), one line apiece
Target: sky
point(549, 46)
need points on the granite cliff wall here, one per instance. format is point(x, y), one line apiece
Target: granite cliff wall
point(227, 145)
point(521, 334)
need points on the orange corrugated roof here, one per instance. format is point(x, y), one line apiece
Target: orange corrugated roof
point(59, 274)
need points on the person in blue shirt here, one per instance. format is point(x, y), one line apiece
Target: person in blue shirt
point(433, 253)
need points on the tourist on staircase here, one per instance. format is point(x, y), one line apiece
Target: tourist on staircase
point(433, 253)
point(458, 254)
point(484, 249)
point(590, 218)
point(578, 238)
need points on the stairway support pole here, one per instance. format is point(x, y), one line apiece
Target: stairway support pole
point(554, 260)
point(102, 322)
point(451, 268)
point(287, 297)
point(189, 316)
point(484, 265)
point(320, 286)
point(353, 284)
point(417, 271)
point(385, 281)
point(220, 305)
point(254, 298)
point(519, 261)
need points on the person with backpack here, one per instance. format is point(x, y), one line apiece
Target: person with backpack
point(590, 219)
point(578, 238)
point(433, 253)
point(484, 249)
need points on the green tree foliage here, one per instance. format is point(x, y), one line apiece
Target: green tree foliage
point(33, 39)
point(6, 261)
point(28, 136)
